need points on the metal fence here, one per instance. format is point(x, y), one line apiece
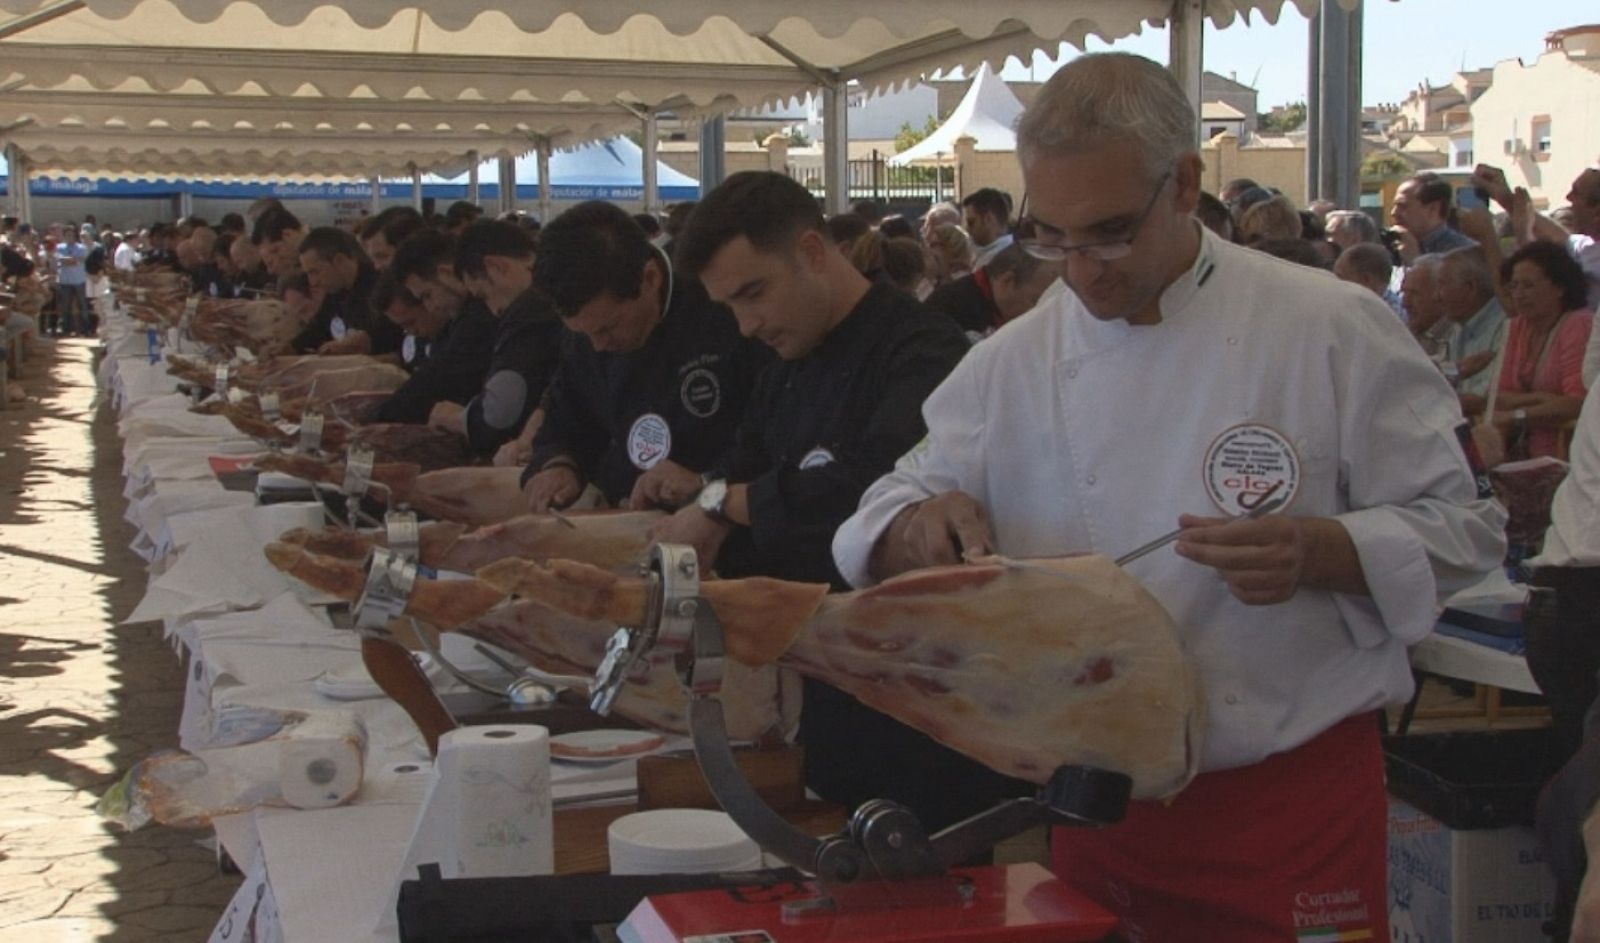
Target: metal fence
point(871, 178)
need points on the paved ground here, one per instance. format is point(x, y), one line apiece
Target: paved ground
point(81, 697)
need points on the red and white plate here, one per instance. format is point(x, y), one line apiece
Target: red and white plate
point(604, 746)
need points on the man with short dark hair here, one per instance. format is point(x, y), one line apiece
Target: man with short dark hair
point(1366, 264)
point(1422, 211)
point(382, 234)
point(489, 268)
point(654, 375)
point(460, 215)
point(1004, 289)
point(451, 342)
point(857, 359)
point(277, 234)
point(338, 269)
point(987, 213)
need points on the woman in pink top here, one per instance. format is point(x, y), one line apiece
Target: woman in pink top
point(1541, 377)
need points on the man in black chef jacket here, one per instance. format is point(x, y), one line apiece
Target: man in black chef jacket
point(842, 405)
point(494, 261)
point(1007, 288)
point(654, 375)
point(515, 371)
point(345, 323)
point(453, 347)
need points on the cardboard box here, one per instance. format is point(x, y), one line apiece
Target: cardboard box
point(1481, 886)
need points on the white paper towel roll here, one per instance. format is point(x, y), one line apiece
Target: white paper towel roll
point(487, 813)
point(320, 760)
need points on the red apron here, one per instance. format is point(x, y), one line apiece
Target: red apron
point(1290, 849)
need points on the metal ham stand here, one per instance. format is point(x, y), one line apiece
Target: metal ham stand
point(884, 878)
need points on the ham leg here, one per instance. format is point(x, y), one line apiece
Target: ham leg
point(611, 540)
point(1066, 661)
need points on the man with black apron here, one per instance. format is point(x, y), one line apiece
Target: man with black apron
point(843, 403)
point(654, 375)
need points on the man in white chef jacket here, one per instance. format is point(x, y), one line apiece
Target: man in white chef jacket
point(1179, 382)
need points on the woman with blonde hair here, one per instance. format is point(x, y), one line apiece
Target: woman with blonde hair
point(1270, 220)
point(953, 251)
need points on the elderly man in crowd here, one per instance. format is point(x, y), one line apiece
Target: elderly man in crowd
point(1050, 439)
point(1419, 293)
point(1464, 287)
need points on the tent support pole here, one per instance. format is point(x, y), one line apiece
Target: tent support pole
point(508, 184)
point(1186, 53)
point(21, 202)
point(546, 200)
point(1338, 137)
point(416, 188)
point(713, 140)
point(472, 177)
point(40, 16)
point(836, 147)
point(375, 201)
point(652, 202)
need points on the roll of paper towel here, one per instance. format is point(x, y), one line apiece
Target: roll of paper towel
point(487, 812)
point(320, 760)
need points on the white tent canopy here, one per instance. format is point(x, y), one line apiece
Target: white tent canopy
point(988, 114)
point(606, 59)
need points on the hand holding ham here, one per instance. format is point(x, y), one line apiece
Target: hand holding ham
point(353, 342)
point(447, 417)
point(667, 485)
point(554, 487)
point(693, 527)
point(940, 531)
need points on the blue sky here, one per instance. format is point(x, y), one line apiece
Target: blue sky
point(1407, 42)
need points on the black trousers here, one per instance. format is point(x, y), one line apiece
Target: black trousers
point(1562, 626)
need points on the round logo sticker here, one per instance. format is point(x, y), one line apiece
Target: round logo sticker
point(408, 348)
point(337, 328)
point(701, 393)
point(1246, 463)
point(649, 441)
point(817, 457)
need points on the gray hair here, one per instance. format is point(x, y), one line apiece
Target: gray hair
point(1355, 219)
point(1369, 260)
point(1470, 264)
point(1110, 97)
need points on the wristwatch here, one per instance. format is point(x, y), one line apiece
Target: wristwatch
point(713, 500)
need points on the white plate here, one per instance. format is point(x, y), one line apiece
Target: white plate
point(603, 746)
point(353, 683)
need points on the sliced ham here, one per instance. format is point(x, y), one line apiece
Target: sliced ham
point(1063, 661)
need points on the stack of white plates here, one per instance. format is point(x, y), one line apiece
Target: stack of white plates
point(680, 841)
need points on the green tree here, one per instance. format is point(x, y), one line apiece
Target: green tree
point(908, 135)
point(1284, 119)
point(1383, 165)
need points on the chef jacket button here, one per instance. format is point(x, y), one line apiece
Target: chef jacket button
point(1090, 480)
point(1072, 374)
point(1233, 341)
point(1232, 699)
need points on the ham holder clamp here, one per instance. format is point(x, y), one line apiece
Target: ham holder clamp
point(884, 877)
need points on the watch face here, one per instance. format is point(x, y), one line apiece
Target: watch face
point(712, 496)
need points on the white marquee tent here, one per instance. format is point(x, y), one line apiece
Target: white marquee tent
point(561, 73)
point(988, 114)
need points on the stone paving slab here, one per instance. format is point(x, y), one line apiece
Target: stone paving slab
point(82, 698)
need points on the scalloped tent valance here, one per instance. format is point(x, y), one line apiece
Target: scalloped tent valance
point(562, 72)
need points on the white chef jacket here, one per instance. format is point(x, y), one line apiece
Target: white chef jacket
point(1574, 535)
point(1078, 435)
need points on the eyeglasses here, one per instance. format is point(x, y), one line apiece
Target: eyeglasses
point(1108, 251)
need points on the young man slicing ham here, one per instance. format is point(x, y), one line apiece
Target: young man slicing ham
point(1175, 382)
